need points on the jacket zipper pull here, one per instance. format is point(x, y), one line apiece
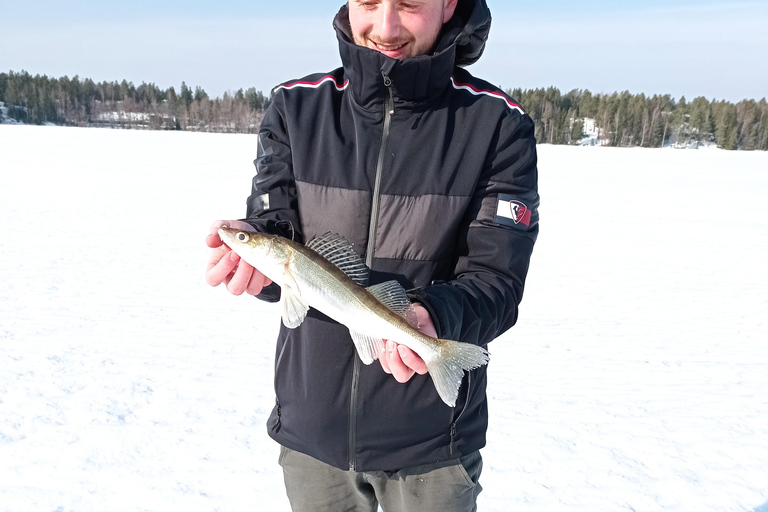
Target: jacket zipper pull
point(388, 85)
point(453, 436)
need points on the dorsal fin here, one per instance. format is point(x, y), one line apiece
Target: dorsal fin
point(392, 295)
point(338, 250)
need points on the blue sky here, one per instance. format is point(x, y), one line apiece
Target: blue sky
point(712, 48)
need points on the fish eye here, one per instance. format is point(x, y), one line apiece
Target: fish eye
point(242, 236)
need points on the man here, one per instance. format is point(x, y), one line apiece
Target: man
point(431, 173)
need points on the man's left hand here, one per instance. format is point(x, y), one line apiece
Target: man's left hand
point(401, 361)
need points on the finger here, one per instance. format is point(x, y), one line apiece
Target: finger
point(425, 321)
point(213, 240)
point(412, 360)
point(383, 358)
point(257, 283)
point(216, 225)
point(400, 372)
point(239, 282)
point(222, 263)
point(234, 224)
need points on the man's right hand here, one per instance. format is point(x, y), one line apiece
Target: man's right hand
point(225, 266)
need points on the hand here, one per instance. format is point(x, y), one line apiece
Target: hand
point(225, 266)
point(401, 361)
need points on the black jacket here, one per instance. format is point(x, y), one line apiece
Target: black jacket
point(431, 173)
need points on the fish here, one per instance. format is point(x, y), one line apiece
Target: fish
point(328, 275)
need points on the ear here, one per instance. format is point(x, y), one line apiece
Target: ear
point(450, 7)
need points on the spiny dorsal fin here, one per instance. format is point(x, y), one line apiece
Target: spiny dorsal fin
point(392, 295)
point(338, 250)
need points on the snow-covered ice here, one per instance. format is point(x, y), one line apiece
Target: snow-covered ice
point(636, 379)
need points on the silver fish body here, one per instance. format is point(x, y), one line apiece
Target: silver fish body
point(308, 279)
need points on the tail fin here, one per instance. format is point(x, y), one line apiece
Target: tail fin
point(447, 370)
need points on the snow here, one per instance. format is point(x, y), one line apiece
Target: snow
point(591, 133)
point(122, 116)
point(4, 119)
point(635, 379)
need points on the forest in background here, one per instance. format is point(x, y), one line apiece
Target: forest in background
point(618, 119)
point(625, 119)
point(83, 102)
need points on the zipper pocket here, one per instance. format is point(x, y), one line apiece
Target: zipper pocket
point(456, 421)
point(276, 427)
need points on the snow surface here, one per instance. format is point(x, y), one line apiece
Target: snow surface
point(636, 378)
point(591, 133)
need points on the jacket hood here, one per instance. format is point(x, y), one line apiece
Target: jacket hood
point(468, 30)
point(461, 42)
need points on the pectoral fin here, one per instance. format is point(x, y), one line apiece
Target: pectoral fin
point(367, 347)
point(294, 306)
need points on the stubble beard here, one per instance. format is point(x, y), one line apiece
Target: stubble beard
point(423, 49)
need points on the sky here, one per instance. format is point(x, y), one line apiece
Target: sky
point(688, 48)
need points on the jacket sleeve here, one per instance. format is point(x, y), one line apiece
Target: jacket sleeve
point(272, 206)
point(494, 243)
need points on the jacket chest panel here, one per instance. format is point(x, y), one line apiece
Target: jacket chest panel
point(428, 174)
point(423, 153)
point(324, 209)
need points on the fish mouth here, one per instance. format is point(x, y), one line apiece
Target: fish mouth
point(226, 236)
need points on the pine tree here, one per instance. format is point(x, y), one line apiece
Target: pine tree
point(726, 127)
point(3, 86)
point(762, 132)
point(200, 94)
point(577, 131)
point(700, 120)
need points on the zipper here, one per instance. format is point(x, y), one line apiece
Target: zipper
point(277, 400)
point(389, 111)
point(464, 408)
point(353, 414)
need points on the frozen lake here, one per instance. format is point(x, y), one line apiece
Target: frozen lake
point(635, 380)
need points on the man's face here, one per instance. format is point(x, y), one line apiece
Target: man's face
point(399, 28)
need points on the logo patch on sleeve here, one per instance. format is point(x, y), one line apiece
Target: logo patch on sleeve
point(512, 212)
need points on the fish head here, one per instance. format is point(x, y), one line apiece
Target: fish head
point(266, 253)
point(247, 244)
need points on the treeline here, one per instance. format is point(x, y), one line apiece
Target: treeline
point(618, 119)
point(83, 102)
point(624, 119)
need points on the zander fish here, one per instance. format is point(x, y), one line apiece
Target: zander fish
point(328, 275)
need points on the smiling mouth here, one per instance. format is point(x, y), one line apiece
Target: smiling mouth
point(388, 48)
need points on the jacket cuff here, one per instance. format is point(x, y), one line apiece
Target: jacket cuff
point(270, 293)
point(282, 228)
point(439, 311)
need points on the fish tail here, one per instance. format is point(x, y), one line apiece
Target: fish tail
point(447, 369)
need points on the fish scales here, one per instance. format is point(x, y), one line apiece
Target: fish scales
point(338, 297)
point(308, 279)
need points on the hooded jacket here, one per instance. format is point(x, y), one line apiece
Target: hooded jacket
point(431, 174)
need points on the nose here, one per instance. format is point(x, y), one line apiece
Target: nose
point(389, 23)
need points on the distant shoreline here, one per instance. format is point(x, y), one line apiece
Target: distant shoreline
point(575, 118)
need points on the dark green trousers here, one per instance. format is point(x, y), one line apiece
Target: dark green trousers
point(314, 486)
